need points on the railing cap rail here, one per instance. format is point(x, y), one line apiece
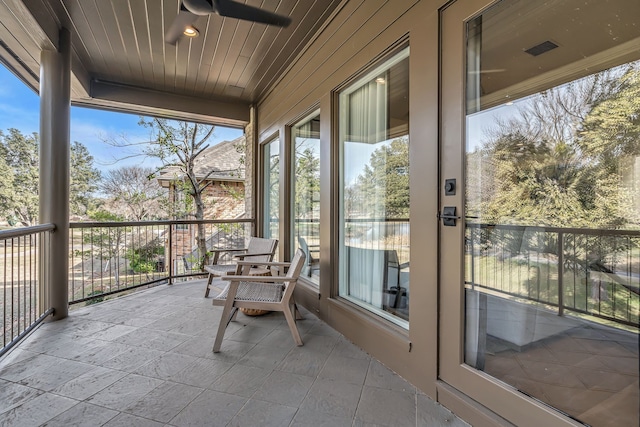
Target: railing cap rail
point(542, 228)
point(162, 222)
point(25, 231)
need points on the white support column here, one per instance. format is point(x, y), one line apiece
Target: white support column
point(55, 118)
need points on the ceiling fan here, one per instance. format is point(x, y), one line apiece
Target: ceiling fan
point(191, 9)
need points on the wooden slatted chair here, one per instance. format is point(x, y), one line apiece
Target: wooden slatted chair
point(258, 250)
point(273, 293)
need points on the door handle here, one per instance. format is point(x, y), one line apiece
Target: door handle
point(448, 216)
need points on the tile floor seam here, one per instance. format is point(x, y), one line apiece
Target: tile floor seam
point(355, 413)
point(167, 422)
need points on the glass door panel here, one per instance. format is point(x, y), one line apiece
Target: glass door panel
point(551, 238)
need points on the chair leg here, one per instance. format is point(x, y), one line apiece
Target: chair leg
point(299, 315)
point(234, 315)
point(291, 321)
point(227, 313)
point(209, 280)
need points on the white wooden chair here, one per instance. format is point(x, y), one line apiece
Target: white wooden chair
point(258, 250)
point(273, 293)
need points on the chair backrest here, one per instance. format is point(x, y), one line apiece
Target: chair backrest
point(258, 245)
point(296, 264)
point(294, 272)
point(305, 248)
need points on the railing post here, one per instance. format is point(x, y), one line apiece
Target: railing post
point(473, 261)
point(560, 273)
point(170, 254)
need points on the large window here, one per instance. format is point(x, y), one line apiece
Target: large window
point(552, 239)
point(305, 137)
point(374, 176)
point(271, 179)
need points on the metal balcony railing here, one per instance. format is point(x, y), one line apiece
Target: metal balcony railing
point(589, 271)
point(114, 257)
point(23, 296)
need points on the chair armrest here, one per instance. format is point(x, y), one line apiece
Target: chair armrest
point(264, 279)
point(242, 256)
point(265, 263)
point(227, 250)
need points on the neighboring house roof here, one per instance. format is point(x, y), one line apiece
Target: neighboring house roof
point(223, 158)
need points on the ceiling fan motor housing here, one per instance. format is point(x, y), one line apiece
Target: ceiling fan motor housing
point(199, 7)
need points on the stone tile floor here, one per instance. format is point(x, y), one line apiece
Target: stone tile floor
point(145, 360)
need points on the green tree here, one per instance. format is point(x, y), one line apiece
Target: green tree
point(610, 140)
point(20, 161)
point(562, 159)
point(83, 181)
point(20, 201)
point(384, 183)
point(307, 175)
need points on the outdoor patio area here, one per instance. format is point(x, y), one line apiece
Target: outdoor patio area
point(146, 360)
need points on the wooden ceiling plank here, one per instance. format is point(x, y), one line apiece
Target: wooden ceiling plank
point(182, 64)
point(155, 43)
point(256, 31)
point(113, 59)
point(233, 54)
point(117, 15)
point(140, 32)
point(248, 51)
point(210, 46)
point(224, 41)
point(266, 50)
point(94, 59)
point(194, 59)
point(170, 11)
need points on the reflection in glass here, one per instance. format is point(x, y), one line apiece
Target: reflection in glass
point(306, 194)
point(552, 247)
point(271, 159)
point(374, 126)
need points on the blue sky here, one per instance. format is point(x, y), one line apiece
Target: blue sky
point(20, 109)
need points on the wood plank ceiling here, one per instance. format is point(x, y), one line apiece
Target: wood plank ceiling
point(121, 42)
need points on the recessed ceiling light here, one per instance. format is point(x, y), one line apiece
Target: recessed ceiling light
point(191, 31)
point(381, 80)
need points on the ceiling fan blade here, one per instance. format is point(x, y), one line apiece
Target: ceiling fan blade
point(178, 25)
point(233, 9)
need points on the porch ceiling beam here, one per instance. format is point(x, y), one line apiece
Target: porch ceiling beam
point(144, 101)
